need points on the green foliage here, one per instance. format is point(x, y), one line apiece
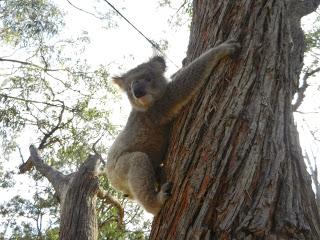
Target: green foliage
point(52, 234)
point(10, 117)
point(6, 178)
point(25, 19)
point(312, 37)
point(43, 205)
point(183, 11)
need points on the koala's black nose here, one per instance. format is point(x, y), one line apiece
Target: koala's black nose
point(139, 92)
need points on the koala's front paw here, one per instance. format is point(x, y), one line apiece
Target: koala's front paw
point(231, 46)
point(165, 192)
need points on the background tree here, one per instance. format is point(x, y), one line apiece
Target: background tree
point(234, 156)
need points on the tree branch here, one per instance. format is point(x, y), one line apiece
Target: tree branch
point(85, 11)
point(96, 152)
point(29, 64)
point(29, 100)
point(111, 200)
point(301, 91)
point(43, 68)
point(303, 7)
point(181, 6)
point(55, 128)
point(29, 163)
point(55, 177)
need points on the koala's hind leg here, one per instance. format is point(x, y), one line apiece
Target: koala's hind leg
point(142, 183)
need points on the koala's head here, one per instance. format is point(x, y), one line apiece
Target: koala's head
point(145, 84)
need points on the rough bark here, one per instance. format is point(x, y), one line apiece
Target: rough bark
point(78, 212)
point(234, 156)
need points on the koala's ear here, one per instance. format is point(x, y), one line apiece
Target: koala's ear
point(119, 81)
point(160, 62)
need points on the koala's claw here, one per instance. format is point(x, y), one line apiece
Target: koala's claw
point(233, 46)
point(165, 191)
point(166, 188)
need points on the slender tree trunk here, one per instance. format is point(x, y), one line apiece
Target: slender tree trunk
point(78, 210)
point(234, 156)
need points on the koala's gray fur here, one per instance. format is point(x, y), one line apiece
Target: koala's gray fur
point(139, 149)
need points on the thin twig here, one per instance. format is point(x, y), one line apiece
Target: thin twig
point(20, 152)
point(85, 11)
point(182, 5)
point(111, 200)
point(29, 64)
point(96, 152)
point(32, 101)
point(55, 128)
point(44, 142)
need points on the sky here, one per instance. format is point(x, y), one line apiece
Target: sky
point(122, 48)
point(122, 45)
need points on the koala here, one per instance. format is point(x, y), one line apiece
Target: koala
point(135, 157)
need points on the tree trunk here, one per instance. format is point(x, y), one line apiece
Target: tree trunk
point(234, 156)
point(78, 210)
point(77, 193)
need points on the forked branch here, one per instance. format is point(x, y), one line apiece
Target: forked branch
point(26, 166)
point(56, 178)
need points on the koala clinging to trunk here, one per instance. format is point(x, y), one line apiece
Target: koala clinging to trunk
point(138, 151)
